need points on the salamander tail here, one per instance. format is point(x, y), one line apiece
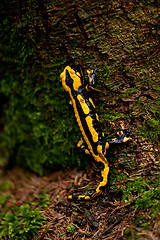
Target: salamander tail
point(84, 197)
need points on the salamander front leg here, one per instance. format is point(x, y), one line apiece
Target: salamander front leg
point(81, 144)
point(91, 75)
point(122, 137)
point(91, 80)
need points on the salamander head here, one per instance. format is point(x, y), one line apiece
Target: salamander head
point(70, 79)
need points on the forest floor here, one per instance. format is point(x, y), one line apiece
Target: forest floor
point(107, 217)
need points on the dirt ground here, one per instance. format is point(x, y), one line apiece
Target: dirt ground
point(106, 217)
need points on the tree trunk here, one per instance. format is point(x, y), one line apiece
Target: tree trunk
point(120, 38)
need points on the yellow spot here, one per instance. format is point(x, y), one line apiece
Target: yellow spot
point(88, 72)
point(87, 198)
point(87, 152)
point(80, 124)
point(120, 133)
point(78, 74)
point(76, 81)
point(97, 117)
point(90, 99)
point(99, 149)
point(126, 139)
point(84, 106)
point(87, 89)
point(69, 197)
point(80, 197)
point(107, 145)
point(80, 142)
point(91, 129)
point(72, 71)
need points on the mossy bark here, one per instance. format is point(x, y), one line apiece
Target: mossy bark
point(39, 38)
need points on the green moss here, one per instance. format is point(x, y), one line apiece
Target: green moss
point(71, 229)
point(132, 90)
point(144, 194)
point(149, 199)
point(21, 223)
point(89, 190)
point(115, 176)
point(142, 221)
point(134, 187)
point(5, 185)
point(151, 129)
point(151, 126)
point(3, 199)
point(128, 235)
point(110, 115)
point(149, 1)
point(38, 126)
point(42, 200)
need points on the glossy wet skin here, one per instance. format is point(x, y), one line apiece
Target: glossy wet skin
point(92, 141)
point(87, 120)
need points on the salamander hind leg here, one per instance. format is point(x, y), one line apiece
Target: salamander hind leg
point(104, 175)
point(102, 184)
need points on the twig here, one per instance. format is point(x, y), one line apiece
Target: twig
point(132, 233)
point(82, 231)
point(117, 208)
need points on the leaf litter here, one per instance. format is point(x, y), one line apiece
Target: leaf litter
point(107, 217)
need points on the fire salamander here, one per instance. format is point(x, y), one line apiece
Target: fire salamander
point(92, 141)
